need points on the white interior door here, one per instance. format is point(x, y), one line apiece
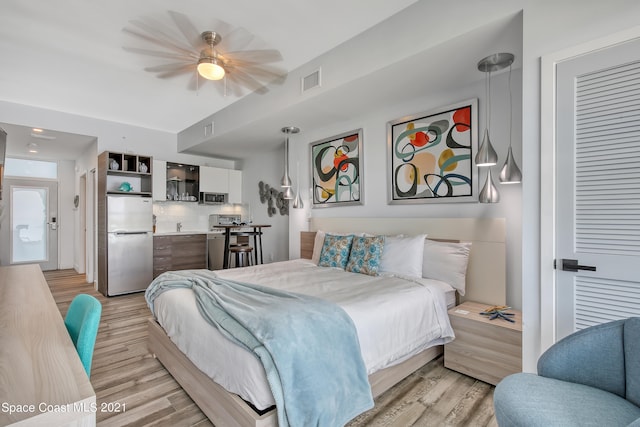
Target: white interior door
point(598, 188)
point(33, 222)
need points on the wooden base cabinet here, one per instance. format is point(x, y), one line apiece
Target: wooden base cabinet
point(179, 252)
point(488, 350)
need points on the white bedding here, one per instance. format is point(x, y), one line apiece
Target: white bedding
point(395, 318)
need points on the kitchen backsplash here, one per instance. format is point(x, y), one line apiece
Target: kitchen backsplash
point(192, 216)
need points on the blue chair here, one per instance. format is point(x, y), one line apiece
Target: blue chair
point(82, 321)
point(590, 378)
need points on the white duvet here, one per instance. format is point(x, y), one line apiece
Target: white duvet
point(395, 318)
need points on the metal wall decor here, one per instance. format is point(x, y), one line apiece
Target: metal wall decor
point(273, 198)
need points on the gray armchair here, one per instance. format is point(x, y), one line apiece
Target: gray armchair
point(590, 378)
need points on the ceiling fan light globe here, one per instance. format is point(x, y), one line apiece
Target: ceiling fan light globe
point(209, 69)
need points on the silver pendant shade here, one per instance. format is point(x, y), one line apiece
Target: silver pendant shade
point(297, 201)
point(489, 193)
point(486, 155)
point(510, 173)
point(285, 182)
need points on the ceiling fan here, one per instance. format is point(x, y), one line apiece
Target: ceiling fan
point(207, 54)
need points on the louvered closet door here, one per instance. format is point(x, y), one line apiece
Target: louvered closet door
point(598, 187)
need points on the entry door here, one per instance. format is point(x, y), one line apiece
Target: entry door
point(33, 222)
point(598, 187)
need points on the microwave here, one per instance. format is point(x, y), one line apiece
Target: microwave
point(213, 198)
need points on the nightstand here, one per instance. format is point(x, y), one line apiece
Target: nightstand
point(488, 350)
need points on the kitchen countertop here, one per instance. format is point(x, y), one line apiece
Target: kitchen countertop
point(181, 233)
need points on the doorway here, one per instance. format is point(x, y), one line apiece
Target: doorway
point(31, 226)
point(590, 218)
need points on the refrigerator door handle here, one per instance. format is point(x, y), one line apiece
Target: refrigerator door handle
point(130, 232)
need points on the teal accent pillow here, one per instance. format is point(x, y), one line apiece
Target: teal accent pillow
point(365, 255)
point(335, 251)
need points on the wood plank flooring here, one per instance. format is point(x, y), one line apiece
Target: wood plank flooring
point(123, 371)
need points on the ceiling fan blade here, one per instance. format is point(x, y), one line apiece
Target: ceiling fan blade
point(247, 81)
point(265, 72)
point(157, 37)
point(188, 30)
point(159, 54)
point(176, 72)
point(262, 56)
point(235, 40)
point(169, 67)
point(234, 87)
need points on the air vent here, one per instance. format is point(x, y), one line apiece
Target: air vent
point(311, 81)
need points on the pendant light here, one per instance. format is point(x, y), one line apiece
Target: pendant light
point(489, 193)
point(285, 182)
point(297, 202)
point(486, 155)
point(510, 173)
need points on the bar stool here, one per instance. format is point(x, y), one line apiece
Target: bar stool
point(242, 255)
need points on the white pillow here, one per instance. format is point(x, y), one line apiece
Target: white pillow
point(446, 261)
point(403, 255)
point(319, 242)
point(317, 246)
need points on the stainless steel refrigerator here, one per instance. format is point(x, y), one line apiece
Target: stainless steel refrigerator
point(129, 244)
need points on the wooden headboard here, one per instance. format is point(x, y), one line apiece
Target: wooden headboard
point(486, 272)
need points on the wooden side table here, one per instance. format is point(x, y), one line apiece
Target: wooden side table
point(488, 350)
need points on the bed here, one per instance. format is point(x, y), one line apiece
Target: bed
point(384, 368)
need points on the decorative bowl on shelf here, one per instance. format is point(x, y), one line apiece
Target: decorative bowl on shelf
point(125, 186)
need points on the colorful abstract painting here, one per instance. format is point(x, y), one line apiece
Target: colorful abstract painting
point(336, 170)
point(431, 155)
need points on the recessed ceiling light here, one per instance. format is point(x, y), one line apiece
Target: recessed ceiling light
point(32, 147)
point(38, 130)
point(42, 136)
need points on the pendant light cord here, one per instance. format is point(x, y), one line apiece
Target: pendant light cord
point(510, 108)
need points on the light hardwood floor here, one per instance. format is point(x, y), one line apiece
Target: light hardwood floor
point(124, 371)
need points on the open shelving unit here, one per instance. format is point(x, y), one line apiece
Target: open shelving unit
point(118, 168)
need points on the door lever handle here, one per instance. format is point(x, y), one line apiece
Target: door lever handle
point(572, 265)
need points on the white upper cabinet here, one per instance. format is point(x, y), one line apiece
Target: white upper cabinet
point(214, 180)
point(219, 180)
point(235, 186)
point(159, 179)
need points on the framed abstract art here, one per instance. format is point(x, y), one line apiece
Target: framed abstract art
point(431, 155)
point(336, 170)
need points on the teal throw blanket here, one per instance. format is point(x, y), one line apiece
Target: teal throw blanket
point(309, 347)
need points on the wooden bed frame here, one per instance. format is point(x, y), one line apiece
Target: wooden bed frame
point(485, 283)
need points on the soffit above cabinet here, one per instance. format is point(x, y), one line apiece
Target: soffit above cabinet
point(356, 80)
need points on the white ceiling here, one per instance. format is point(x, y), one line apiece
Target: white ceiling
point(50, 145)
point(68, 55)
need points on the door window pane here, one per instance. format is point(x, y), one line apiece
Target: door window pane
point(28, 224)
point(31, 168)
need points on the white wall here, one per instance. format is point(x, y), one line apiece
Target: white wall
point(376, 177)
point(66, 214)
point(268, 168)
point(550, 26)
point(85, 163)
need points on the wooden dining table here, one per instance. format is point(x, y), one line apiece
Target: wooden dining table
point(249, 230)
